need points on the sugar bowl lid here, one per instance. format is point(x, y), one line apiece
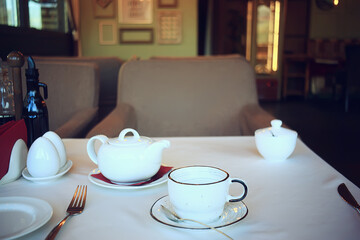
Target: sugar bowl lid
point(276, 130)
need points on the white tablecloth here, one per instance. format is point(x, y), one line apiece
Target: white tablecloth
point(292, 199)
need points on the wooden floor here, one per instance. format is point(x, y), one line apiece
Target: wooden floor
point(326, 128)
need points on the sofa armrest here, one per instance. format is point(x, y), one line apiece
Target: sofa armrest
point(78, 124)
point(253, 117)
point(121, 117)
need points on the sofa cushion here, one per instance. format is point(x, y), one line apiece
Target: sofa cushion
point(188, 96)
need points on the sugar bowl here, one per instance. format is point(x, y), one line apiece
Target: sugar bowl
point(275, 142)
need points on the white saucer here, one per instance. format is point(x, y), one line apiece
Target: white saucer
point(123, 187)
point(64, 169)
point(22, 215)
point(233, 212)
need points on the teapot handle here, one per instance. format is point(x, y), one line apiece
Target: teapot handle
point(126, 131)
point(91, 146)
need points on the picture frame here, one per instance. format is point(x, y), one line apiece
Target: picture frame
point(136, 35)
point(135, 11)
point(167, 3)
point(169, 27)
point(104, 8)
point(107, 33)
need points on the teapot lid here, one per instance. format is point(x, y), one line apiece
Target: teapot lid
point(122, 140)
point(276, 130)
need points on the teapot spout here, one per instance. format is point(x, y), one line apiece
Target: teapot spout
point(160, 145)
point(157, 147)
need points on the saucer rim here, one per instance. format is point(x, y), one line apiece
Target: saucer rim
point(194, 228)
point(101, 183)
point(64, 169)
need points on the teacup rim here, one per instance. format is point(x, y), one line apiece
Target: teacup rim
point(198, 184)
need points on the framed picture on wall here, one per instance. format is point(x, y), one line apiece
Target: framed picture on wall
point(167, 3)
point(136, 35)
point(135, 11)
point(107, 33)
point(104, 8)
point(169, 27)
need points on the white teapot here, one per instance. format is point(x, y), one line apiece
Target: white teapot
point(127, 159)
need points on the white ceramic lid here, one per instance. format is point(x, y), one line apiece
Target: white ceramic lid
point(124, 140)
point(276, 130)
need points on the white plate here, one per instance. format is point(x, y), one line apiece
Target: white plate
point(233, 212)
point(123, 187)
point(22, 215)
point(64, 169)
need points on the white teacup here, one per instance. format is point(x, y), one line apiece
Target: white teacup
point(200, 192)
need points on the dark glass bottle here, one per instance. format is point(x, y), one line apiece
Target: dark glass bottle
point(35, 112)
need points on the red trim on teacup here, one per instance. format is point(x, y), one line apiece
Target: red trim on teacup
point(195, 184)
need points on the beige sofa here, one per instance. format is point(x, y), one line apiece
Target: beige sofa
point(200, 96)
point(108, 73)
point(73, 95)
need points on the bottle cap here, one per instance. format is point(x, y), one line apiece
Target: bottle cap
point(31, 72)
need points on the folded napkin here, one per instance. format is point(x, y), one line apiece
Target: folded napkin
point(10, 132)
point(162, 171)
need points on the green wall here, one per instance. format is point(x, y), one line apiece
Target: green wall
point(89, 33)
point(340, 22)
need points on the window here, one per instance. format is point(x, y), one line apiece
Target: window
point(39, 14)
point(266, 22)
point(9, 13)
point(36, 27)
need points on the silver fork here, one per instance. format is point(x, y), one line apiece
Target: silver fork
point(76, 206)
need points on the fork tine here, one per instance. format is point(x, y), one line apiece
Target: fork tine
point(84, 196)
point(74, 197)
point(80, 197)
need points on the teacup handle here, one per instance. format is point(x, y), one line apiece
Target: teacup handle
point(91, 146)
point(241, 197)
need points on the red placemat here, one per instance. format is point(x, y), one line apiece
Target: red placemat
point(162, 171)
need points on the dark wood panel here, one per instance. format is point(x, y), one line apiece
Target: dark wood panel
point(34, 42)
point(229, 27)
point(296, 26)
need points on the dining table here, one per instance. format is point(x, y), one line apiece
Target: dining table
point(295, 198)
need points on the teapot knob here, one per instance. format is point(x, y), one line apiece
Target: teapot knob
point(126, 131)
point(276, 124)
